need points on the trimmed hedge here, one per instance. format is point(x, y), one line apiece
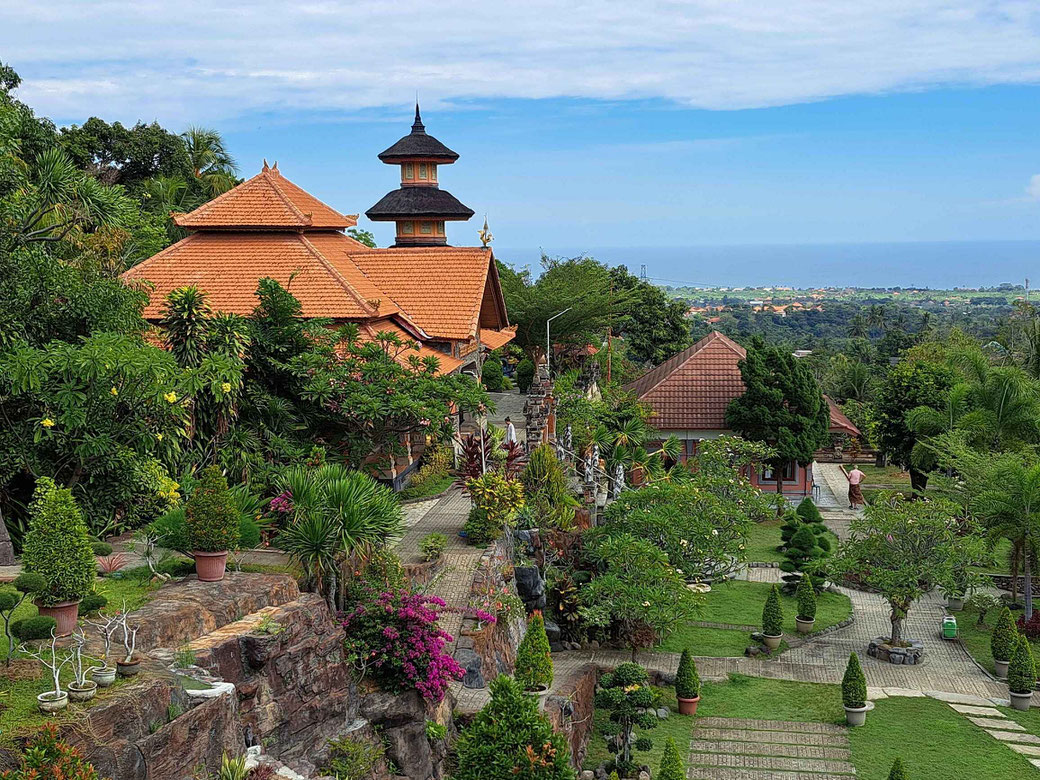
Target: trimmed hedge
point(806, 599)
point(671, 763)
point(853, 684)
point(687, 682)
point(534, 666)
point(30, 629)
point(211, 514)
point(1002, 641)
point(92, 602)
point(524, 374)
point(773, 614)
point(898, 772)
point(1022, 669)
point(57, 545)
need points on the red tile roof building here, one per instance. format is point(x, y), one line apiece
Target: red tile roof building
point(689, 394)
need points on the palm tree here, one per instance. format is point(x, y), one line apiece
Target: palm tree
point(858, 327)
point(926, 422)
point(1004, 403)
point(211, 164)
point(1010, 507)
point(338, 516)
point(877, 317)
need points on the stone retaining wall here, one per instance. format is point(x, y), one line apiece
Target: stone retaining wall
point(571, 707)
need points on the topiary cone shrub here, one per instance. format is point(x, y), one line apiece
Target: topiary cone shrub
point(1002, 641)
point(671, 763)
point(212, 521)
point(806, 600)
point(808, 512)
point(1021, 674)
point(773, 614)
point(854, 691)
point(524, 374)
point(57, 547)
point(534, 666)
point(687, 684)
point(898, 773)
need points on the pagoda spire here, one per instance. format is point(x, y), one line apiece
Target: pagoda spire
point(418, 126)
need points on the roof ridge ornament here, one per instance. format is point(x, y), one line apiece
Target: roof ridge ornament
point(485, 235)
point(266, 167)
point(418, 128)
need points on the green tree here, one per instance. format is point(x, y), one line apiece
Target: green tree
point(627, 695)
point(853, 684)
point(905, 549)
point(211, 514)
point(773, 614)
point(671, 763)
point(654, 327)
point(509, 737)
point(534, 666)
point(806, 599)
point(362, 236)
point(1022, 669)
point(129, 156)
point(1002, 640)
point(781, 405)
point(898, 772)
point(57, 546)
point(210, 162)
point(909, 385)
point(687, 682)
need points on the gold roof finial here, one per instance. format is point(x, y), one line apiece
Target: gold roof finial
point(485, 235)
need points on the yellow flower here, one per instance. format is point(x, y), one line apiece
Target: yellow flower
point(226, 387)
point(171, 397)
point(113, 391)
point(158, 437)
point(47, 422)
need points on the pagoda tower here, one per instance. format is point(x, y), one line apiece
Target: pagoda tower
point(419, 206)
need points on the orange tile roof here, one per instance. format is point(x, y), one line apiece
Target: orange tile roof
point(266, 201)
point(228, 267)
point(691, 390)
point(446, 363)
point(839, 423)
point(441, 288)
point(493, 339)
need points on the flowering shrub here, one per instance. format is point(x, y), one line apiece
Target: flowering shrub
point(1031, 627)
point(48, 758)
point(394, 635)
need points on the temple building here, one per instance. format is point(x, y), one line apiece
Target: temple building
point(419, 207)
point(446, 300)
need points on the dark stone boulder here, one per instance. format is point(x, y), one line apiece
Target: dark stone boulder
point(530, 587)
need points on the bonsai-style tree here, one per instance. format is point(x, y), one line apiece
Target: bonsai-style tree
point(806, 599)
point(898, 773)
point(57, 546)
point(511, 738)
point(807, 510)
point(1022, 670)
point(1002, 640)
point(11, 597)
point(534, 666)
point(671, 763)
point(781, 405)
point(905, 549)
point(52, 661)
point(627, 695)
point(773, 614)
point(211, 514)
point(804, 553)
point(853, 684)
point(687, 681)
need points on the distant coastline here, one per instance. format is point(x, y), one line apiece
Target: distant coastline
point(938, 264)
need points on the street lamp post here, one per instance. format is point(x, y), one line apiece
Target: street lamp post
point(547, 345)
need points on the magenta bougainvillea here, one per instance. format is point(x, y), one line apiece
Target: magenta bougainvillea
point(394, 636)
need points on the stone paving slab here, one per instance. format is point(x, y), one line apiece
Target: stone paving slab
point(1026, 750)
point(729, 773)
point(958, 698)
point(770, 725)
point(1014, 736)
point(771, 762)
point(769, 737)
point(769, 749)
point(1035, 762)
point(905, 692)
point(997, 723)
point(970, 709)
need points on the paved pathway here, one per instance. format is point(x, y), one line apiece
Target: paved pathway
point(1008, 732)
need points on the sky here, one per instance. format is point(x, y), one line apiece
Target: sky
point(592, 124)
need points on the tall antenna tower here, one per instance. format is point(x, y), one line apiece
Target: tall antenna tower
point(642, 272)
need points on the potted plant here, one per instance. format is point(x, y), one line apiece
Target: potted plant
point(57, 699)
point(80, 689)
point(534, 666)
point(128, 666)
point(1021, 675)
point(854, 692)
point(212, 519)
point(105, 674)
point(806, 617)
point(57, 547)
point(1002, 642)
point(772, 620)
point(687, 684)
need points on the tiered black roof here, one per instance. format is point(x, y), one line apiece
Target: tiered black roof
point(418, 202)
point(418, 144)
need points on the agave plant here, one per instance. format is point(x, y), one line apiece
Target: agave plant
point(336, 516)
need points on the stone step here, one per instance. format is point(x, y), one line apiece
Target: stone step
point(772, 763)
point(771, 737)
point(726, 773)
point(769, 749)
point(970, 709)
point(1001, 724)
point(770, 725)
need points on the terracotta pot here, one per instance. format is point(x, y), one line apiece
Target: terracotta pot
point(805, 626)
point(772, 642)
point(103, 676)
point(65, 616)
point(1021, 701)
point(85, 693)
point(128, 669)
point(1002, 668)
point(48, 703)
point(856, 716)
point(210, 566)
point(688, 706)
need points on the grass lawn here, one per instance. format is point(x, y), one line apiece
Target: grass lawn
point(678, 727)
point(889, 475)
point(764, 538)
point(431, 487)
point(755, 697)
point(976, 638)
point(740, 603)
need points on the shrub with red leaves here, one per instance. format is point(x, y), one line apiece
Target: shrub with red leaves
point(48, 758)
point(1030, 628)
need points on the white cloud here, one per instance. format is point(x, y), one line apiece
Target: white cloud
point(201, 61)
point(1033, 188)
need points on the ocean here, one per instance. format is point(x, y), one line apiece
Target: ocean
point(942, 265)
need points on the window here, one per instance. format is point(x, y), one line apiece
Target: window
point(423, 174)
point(426, 228)
point(440, 228)
point(769, 476)
point(407, 228)
point(433, 173)
point(409, 171)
